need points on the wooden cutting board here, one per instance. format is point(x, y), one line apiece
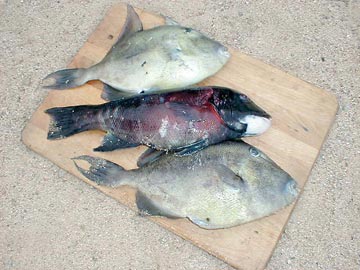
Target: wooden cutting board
point(302, 116)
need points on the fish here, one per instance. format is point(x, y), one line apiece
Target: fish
point(224, 185)
point(141, 61)
point(181, 122)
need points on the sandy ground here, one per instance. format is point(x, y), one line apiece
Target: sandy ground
point(51, 220)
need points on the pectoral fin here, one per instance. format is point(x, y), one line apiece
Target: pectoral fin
point(149, 207)
point(191, 148)
point(111, 142)
point(229, 177)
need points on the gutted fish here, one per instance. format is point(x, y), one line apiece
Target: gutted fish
point(222, 186)
point(183, 122)
point(165, 57)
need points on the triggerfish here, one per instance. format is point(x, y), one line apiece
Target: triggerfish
point(164, 57)
point(222, 186)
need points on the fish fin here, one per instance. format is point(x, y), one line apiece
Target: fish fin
point(66, 78)
point(229, 177)
point(149, 156)
point(180, 109)
point(191, 148)
point(132, 24)
point(147, 206)
point(196, 96)
point(170, 21)
point(200, 222)
point(66, 121)
point(110, 93)
point(101, 171)
point(112, 142)
point(206, 223)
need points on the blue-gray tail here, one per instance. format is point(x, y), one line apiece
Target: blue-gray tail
point(66, 121)
point(101, 171)
point(66, 78)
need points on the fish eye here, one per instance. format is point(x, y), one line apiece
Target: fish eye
point(188, 30)
point(243, 97)
point(254, 152)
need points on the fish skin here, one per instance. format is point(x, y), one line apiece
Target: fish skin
point(220, 187)
point(163, 57)
point(184, 122)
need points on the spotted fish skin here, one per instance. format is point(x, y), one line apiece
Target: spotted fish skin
point(175, 121)
point(220, 187)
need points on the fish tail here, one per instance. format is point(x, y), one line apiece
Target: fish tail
point(66, 78)
point(102, 171)
point(66, 121)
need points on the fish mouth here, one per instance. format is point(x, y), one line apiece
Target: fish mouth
point(255, 124)
point(223, 51)
point(291, 187)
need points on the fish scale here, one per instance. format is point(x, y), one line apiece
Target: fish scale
point(144, 121)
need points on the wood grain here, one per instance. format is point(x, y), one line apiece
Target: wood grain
point(302, 116)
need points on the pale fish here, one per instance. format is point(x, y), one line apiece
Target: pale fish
point(222, 186)
point(164, 57)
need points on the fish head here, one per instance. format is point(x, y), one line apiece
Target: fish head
point(244, 185)
point(271, 187)
point(240, 113)
point(204, 49)
point(253, 186)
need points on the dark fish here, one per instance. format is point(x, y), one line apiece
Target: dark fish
point(222, 186)
point(183, 122)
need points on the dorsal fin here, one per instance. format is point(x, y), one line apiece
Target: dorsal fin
point(132, 24)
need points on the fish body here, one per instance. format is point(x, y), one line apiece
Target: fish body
point(222, 186)
point(163, 57)
point(184, 122)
